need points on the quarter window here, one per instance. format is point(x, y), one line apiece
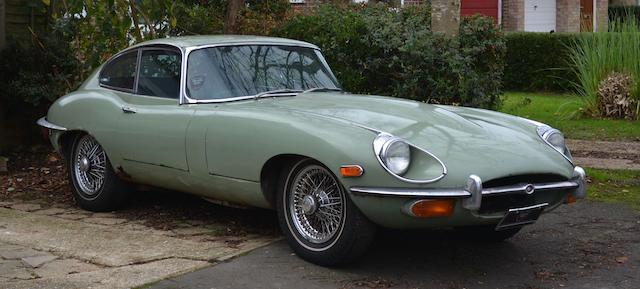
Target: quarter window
point(160, 73)
point(120, 73)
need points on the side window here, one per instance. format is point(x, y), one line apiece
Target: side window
point(160, 73)
point(121, 72)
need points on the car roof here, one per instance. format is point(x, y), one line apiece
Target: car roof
point(202, 40)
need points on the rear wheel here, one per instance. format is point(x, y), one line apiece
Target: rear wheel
point(320, 222)
point(95, 185)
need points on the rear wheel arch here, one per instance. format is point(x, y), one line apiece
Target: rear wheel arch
point(66, 140)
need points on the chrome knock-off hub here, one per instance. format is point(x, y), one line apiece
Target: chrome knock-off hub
point(84, 164)
point(309, 205)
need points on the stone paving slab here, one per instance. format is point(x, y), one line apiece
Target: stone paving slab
point(104, 245)
point(42, 249)
point(120, 277)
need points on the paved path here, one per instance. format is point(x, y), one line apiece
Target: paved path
point(584, 245)
point(606, 154)
point(71, 248)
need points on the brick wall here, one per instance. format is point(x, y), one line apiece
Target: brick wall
point(601, 12)
point(513, 15)
point(567, 15)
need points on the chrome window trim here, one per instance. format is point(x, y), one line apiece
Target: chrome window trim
point(139, 49)
point(184, 99)
point(158, 47)
point(377, 150)
point(46, 124)
point(115, 57)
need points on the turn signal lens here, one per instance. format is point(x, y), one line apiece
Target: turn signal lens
point(570, 199)
point(433, 208)
point(351, 171)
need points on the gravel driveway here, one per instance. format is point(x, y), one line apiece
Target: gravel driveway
point(584, 245)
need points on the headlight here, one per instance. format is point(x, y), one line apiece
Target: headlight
point(555, 139)
point(394, 153)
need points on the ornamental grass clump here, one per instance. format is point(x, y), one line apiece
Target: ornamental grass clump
point(597, 55)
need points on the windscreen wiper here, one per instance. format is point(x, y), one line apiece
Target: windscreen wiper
point(277, 92)
point(322, 89)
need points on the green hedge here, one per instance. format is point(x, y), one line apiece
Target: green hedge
point(539, 61)
point(621, 12)
point(376, 50)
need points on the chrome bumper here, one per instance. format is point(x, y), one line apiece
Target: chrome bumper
point(44, 123)
point(472, 193)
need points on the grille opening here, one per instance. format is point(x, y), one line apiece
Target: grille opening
point(527, 179)
point(502, 203)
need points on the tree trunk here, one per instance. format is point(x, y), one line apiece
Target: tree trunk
point(231, 20)
point(136, 24)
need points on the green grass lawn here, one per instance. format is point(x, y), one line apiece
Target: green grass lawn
point(559, 111)
point(615, 186)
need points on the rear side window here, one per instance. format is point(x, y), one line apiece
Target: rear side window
point(120, 73)
point(160, 73)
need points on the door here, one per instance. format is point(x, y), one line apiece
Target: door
point(540, 15)
point(586, 15)
point(152, 128)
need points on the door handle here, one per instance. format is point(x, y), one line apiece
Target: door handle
point(127, 109)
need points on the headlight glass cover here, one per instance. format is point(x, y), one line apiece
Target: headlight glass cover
point(555, 139)
point(396, 154)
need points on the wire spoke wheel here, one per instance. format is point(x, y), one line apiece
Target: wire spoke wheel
point(89, 166)
point(316, 204)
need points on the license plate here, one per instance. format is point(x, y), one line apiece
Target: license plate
point(521, 216)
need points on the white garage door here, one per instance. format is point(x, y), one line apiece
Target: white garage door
point(539, 15)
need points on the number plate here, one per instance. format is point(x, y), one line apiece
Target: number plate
point(521, 216)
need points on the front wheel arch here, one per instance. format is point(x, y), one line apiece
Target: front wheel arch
point(273, 173)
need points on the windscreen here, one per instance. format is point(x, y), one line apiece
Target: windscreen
point(246, 70)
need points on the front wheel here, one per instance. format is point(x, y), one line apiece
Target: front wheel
point(95, 185)
point(320, 222)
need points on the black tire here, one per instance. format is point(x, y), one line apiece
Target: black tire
point(106, 196)
point(351, 238)
point(486, 233)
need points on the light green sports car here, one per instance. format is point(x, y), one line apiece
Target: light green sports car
point(262, 122)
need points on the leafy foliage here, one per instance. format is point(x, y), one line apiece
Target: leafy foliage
point(618, 13)
point(539, 61)
point(375, 49)
point(36, 73)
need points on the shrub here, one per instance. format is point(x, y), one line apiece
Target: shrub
point(614, 97)
point(539, 61)
point(338, 33)
point(377, 50)
point(597, 55)
point(618, 13)
point(483, 47)
point(36, 73)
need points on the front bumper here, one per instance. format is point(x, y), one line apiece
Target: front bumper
point(470, 196)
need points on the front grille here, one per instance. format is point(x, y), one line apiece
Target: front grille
point(502, 203)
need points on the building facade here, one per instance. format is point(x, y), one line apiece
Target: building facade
point(529, 15)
